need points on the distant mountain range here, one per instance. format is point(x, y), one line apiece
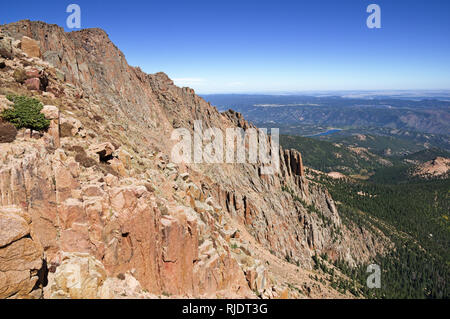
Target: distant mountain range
point(422, 115)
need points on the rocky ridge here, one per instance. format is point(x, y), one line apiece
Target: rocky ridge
point(438, 167)
point(96, 200)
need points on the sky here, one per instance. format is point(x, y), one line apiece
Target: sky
point(270, 46)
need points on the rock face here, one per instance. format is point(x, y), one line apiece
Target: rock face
point(21, 257)
point(105, 202)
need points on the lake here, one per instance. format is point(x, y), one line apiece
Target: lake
point(327, 132)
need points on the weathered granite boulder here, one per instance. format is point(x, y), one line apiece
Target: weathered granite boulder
point(21, 258)
point(30, 47)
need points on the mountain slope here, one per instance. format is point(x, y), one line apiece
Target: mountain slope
point(407, 201)
point(100, 189)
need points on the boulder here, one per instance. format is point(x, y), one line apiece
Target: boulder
point(30, 47)
point(33, 84)
point(6, 48)
point(32, 73)
point(50, 112)
point(20, 262)
point(123, 286)
point(8, 132)
point(256, 278)
point(16, 44)
point(4, 103)
point(104, 150)
point(20, 75)
point(79, 276)
point(12, 226)
point(124, 157)
point(70, 126)
point(118, 167)
point(20, 255)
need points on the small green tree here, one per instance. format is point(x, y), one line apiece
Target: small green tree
point(25, 113)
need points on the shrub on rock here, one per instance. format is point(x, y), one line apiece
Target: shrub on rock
point(25, 113)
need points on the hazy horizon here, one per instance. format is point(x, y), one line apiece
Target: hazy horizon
point(443, 94)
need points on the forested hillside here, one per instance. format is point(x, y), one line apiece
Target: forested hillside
point(415, 217)
point(411, 211)
point(329, 157)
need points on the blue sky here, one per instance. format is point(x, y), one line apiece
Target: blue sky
point(270, 46)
